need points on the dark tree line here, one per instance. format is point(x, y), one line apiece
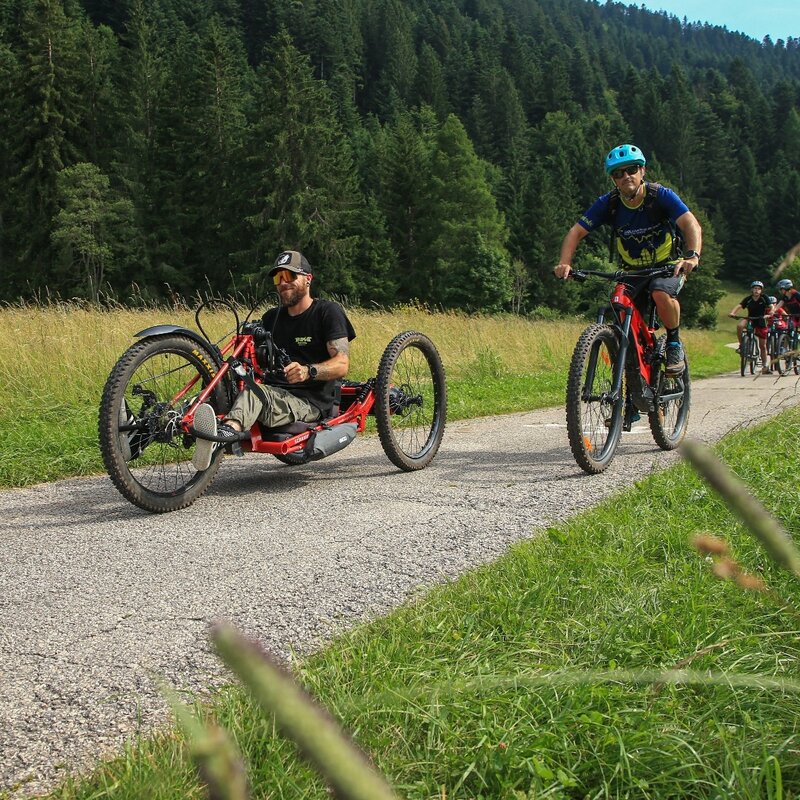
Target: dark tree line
point(432, 150)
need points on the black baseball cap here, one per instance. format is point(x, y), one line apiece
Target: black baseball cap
point(294, 261)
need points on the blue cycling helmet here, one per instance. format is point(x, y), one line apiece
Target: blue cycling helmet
point(756, 283)
point(624, 155)
point(785, 283)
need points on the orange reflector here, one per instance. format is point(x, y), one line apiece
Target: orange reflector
point(587, 444)
point(606, 358)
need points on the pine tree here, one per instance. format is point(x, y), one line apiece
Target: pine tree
point(463, 236)
point(47, 110)
point(91, 226)
point(305, 190)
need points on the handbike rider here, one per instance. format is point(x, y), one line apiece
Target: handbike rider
point(642, 216)
point(316, 335)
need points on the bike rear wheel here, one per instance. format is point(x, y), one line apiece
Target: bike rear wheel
point(594, 419)
point(783, 361)
point(744, 354)
point(794, 344)
point(670, 417)
point(410, 401)
point(147, 455)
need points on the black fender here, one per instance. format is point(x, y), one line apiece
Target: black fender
point(164, 330)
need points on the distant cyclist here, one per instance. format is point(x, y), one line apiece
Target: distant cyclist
point(790, 300)
point(777, 315)
point(642, 216)
point(757, 306)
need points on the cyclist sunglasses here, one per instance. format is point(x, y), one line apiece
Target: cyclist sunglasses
point(284, 275)
point(631, 170)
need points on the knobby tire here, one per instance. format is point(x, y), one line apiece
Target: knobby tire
point(151, 465)
point(670, 417)
point(594, 423)
point(410, 401)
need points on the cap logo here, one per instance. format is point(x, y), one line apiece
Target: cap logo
point(284, 258)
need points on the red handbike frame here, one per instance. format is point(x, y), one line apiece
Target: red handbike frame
point(356, 404)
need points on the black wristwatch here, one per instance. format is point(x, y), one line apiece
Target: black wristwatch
point(312, 372)
point(691, 254)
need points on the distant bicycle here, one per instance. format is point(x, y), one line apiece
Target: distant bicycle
point(749, 358)
point(778, 346)
point(791, 357)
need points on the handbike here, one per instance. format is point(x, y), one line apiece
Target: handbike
point(147, 409)
point(618, 368)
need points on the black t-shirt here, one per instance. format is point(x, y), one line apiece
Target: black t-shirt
point(756, 307)
point(304, 337)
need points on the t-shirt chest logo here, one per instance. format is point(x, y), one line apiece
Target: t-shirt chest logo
point(301, 341)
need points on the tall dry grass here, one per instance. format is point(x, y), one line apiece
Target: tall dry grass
point(55, 358)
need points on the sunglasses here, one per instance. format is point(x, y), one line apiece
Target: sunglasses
point(284, 276)
point(622, 171)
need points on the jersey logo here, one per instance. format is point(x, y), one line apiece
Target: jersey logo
point(300, 341)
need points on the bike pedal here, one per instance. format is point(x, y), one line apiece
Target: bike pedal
point(234, 449)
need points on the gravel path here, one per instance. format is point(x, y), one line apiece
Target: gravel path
point(98, 597)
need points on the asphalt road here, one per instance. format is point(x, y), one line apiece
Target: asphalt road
point(98, 598)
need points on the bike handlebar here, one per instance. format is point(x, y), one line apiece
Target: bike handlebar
point(619, 276)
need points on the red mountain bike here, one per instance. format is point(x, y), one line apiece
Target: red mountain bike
point(147, 436)
point(618, 369)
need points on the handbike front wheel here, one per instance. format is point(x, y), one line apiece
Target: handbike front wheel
point(147, 455)
point(410, 401)
point(594, 417)
point(670, 417)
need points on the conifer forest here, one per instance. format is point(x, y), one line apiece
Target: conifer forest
point(431, 151)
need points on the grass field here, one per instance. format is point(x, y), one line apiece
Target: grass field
point(535, 677)
point(54, 361)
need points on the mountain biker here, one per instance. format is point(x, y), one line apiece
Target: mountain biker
point(790, 299)
point(316, 335)
point(642, 216)
point(757, 306)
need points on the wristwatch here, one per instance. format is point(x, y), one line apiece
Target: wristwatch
point(312, 372)
point(691, 254)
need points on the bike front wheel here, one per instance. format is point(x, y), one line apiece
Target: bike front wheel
point(754, 353)
point(410, 401)
point(673, 398)
point(783, 360)
point(146, 453)
point(594, 415)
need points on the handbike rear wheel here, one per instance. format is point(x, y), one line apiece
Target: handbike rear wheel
point(670, 417)
point(410, 401)
point(594, 419)
point(147, 455)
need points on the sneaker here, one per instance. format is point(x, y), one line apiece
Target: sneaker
point(675, 362)
point(766, 371)
point(205, 422)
